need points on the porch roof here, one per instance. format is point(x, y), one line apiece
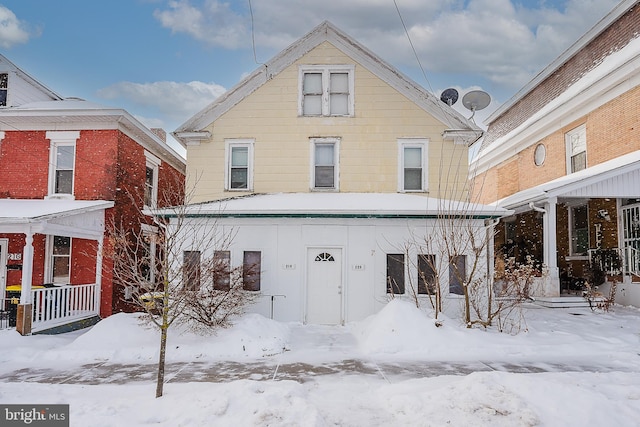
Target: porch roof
point(617, 178)
point(71, 218)
point(336, 205)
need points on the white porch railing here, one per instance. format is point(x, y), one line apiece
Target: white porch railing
point(632, 260)
point(60, 305)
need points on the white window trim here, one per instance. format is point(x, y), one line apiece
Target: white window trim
point(411, 143)
point(228, 144)
point(582, 131)
point(60, 139)
point(154, 163)
point(326, 70)
point(336, 163)
point(48, 261)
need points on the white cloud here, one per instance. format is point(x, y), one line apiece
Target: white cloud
point(214, 22)
point(505, 42)
point(12, 30)
point(177, 101)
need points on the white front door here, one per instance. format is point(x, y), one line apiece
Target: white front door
point(324, 286)
point(4, 247)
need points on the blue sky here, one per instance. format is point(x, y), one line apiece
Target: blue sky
point(164, 60)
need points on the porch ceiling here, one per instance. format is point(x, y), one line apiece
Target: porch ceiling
point(71, 218)
point(617, 178)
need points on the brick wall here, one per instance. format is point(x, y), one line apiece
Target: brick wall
point(109, 166)
point(612, 130)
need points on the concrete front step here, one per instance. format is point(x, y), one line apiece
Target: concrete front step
point(568, 301)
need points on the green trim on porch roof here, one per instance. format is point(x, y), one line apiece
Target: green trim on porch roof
point(329, 215)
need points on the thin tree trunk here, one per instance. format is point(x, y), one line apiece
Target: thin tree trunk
point(163, 352)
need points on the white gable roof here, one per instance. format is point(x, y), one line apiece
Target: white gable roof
point(24, 88)
point(329, 33)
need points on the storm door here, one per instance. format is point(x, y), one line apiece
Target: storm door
point(324, 286)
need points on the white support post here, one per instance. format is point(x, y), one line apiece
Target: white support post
point(98, 288)
point(27, 269)
point(552, 282)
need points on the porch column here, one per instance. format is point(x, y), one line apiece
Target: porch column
point(99, 274)
point(552, 282)
point(24, 320)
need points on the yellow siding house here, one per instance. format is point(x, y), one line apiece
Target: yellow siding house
point(324, 161)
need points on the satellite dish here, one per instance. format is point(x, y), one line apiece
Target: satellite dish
point(449, 96)
point(476, 100)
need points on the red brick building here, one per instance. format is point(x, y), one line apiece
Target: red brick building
point(82, 166)
point(564, 155)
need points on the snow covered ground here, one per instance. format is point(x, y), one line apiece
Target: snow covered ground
point(568, 367)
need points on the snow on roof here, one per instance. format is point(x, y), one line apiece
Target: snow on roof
point(64, 104)
point(338, 204)
point(32, 210)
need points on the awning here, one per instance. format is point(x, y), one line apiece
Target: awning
point(70, 218)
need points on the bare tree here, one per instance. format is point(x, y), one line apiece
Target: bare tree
point(177, 270)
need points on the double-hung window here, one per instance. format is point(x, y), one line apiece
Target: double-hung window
point(62, 159)
point(324, 162)
point(412, 165)
point(326, 90)
point(152, 167)
point(239, 167)
point(576, 142)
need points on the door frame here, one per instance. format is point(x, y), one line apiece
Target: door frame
point(325, 248)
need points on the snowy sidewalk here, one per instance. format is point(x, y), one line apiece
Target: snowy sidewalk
point(312, 352)
point(391, 372)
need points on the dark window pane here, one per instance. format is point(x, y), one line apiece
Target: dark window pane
point(395, 273)
point(413, 179)
point(426, 274)
point(239, 178)
point(324, 177)
point(457, 274)
point(579, 162)
point(64, 182)
point(61, 269)
point(251, 266)
point(191, 270)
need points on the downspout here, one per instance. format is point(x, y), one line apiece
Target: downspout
point(536, 208)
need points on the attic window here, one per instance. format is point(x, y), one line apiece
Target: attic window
point(326, 90)
point(4, 85)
